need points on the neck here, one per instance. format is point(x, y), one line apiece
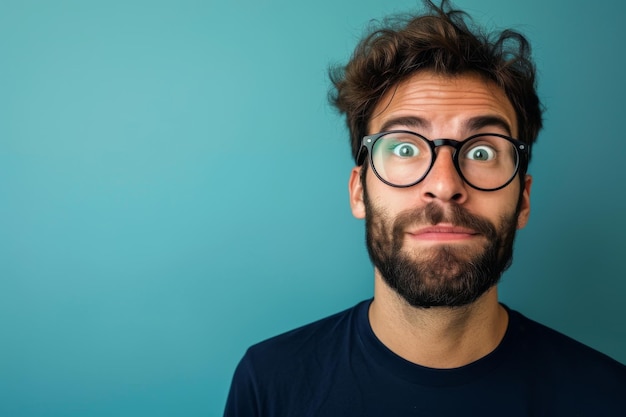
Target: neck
point(437, 337)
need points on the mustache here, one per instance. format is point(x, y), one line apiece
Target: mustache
point(433, 214)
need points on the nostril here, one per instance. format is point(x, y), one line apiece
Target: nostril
point(457, 197)
point(454, 197)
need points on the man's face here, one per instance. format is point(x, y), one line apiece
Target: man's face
point(441, 242)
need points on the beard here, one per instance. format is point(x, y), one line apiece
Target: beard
point(441, 275)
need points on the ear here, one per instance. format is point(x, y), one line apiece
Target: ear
point(524, 211)
point(356, 193)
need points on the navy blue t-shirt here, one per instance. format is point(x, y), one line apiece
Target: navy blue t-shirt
point(338, 367)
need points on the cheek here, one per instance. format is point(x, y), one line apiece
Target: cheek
point(497, 208)
point(390, 200)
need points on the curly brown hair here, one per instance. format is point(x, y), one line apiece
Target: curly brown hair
point(443, 40)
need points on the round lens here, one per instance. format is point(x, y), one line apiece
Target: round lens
point(488, 161)
point(401, 158)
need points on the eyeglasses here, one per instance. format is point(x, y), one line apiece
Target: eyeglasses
point(486, 161)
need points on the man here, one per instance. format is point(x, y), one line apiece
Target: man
point(442, 120)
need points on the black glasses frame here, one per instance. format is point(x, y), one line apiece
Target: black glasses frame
point(520, 147)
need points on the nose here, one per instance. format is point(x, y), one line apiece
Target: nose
point(443, 182)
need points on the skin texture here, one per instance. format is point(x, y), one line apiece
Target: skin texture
point(441, 107)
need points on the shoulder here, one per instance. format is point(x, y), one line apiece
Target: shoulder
point(558, 357)
point(534, 335)
point(318, 339)
point(274, 376)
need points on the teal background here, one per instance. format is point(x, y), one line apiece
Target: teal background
point(173, 189)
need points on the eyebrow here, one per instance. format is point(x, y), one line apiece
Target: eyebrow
point(480, 122)
point(472, 124)
point(405, 121)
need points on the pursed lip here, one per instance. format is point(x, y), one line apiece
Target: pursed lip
point(443, 232)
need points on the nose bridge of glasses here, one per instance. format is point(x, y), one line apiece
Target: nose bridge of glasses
point(454, 144)
point(435, 146)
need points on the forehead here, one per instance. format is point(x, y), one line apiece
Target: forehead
point(444, 106)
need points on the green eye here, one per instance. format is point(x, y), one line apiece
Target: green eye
point(405, 150)
point(481, 153)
